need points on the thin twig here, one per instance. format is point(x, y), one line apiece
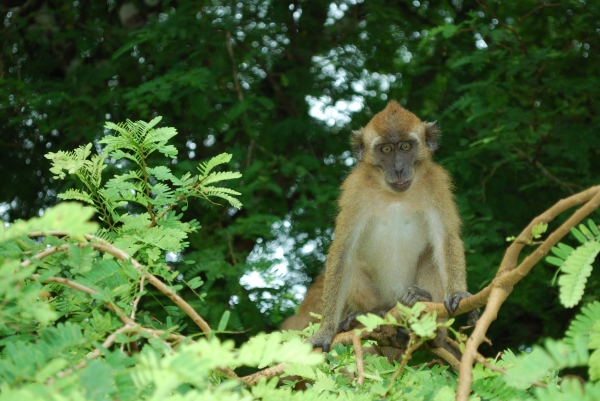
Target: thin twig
point(136, 301)
point(358, 354)
point(268, 373)
point(106, 247)
point(523, 18)
point(415, 344)
point(487, 364)
point(446, 355)
point(510, 28)
point(240, 95)
point(569, 186)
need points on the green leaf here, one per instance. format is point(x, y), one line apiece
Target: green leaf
point(206, 167)
point(583, 322)
point(224, 320)
point(70, 217)
point(575, 272)
point(593, 227)
point(580, 237)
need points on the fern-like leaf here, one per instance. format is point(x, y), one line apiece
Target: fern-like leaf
point(71, 161)
point(76, 194)
point(206, 167)
point(220, 176)
point(576, 270)
point(581, 325)
point(224, 193)
point(536, 365)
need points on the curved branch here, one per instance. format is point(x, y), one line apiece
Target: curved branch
point(268, 373)
point(508, 275)
point(106, 247)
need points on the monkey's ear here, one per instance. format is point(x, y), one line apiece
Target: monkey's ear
point(356, 142)
point(432, 135)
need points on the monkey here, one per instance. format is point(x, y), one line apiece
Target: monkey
point(397, 234)
point(313, 302)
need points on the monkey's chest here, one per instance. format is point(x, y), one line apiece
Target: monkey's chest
point(386, 255)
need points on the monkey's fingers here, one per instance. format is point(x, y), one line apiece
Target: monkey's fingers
point(415, 294)
point(452, 300)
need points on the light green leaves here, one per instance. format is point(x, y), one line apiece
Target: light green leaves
point(535, 366)
point(207, 176)
point(413, 318)
point(575, 264)
point(70, 217)
point(153, 189)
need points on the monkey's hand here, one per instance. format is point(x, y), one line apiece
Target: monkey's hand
point(322, 338)
point(350, 322)
point(415, 294)
point(451, 303)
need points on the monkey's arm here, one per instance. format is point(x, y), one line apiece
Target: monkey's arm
point(456, 269)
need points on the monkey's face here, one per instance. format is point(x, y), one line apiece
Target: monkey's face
point(397, 160)
point(396, 142)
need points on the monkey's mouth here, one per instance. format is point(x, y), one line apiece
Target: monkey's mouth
point(401, 185)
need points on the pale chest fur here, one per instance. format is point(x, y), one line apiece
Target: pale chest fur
point(392, 239)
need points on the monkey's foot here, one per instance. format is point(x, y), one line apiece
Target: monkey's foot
point(451, 303)
point(452, 300)
point(415, 294)
point(473, 317)
point(350, 322)
point(321, 339)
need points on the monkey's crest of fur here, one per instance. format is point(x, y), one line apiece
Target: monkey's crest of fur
point(392, 122)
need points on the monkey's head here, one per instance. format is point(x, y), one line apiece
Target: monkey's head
point(395, 141)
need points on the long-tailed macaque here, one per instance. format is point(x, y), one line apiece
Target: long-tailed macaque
point(397, 235)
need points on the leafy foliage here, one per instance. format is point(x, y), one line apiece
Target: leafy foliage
point(280, 85)
point(511, 83)
point(412, 319)
point(69, 310)
point(582, 324)
point(541, 362)
point(156, 190)
point(576, 264)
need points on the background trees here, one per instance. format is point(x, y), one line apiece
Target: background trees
point(279, 85)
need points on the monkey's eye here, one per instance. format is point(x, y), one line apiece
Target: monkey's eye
point(386, 149)
point(405, 146)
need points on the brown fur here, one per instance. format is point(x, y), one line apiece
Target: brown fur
point(389, 237)
point(313, 302)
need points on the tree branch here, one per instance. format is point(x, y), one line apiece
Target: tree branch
point(358, 355)
point(105, 246)
point(508, 275)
